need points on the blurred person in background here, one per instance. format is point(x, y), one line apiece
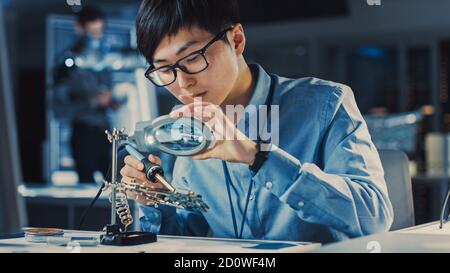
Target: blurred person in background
point(83, 94)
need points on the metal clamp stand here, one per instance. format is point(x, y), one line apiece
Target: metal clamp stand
point(114, 235)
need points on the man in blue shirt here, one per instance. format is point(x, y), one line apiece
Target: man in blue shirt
point(321, 180)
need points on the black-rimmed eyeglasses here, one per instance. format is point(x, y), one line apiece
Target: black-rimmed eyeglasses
point(193, 63)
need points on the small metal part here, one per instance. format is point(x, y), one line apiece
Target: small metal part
point(164, 182)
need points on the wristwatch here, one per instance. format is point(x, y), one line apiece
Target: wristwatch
point(260, 157)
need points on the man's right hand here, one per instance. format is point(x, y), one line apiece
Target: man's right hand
point(134, 171)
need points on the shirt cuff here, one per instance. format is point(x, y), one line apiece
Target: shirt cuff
point(278, 171)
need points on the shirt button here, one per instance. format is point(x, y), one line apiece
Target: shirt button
point(269, 185)
point(252, 196)
point(301, 204)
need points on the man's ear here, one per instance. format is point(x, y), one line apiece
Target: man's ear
point(238, 39)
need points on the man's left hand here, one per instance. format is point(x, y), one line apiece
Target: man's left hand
point(230, 143)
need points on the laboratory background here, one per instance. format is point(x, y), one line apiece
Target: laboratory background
point(394, 54)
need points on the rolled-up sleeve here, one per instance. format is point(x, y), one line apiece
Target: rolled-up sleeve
point(348, 192)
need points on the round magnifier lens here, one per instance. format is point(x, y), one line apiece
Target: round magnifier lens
point(183, 136)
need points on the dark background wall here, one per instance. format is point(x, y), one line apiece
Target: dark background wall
point(276, 33)
point(26, 32)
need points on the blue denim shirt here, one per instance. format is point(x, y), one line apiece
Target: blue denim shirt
point(323, 182)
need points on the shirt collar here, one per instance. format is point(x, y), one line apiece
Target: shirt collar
point(262, 86)
point(259, 95)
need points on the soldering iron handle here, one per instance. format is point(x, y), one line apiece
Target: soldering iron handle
point(151, 170)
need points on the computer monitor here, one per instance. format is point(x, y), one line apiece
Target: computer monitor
point(12, 207)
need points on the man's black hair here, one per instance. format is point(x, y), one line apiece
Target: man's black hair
point(89, 14)
point(158, 18)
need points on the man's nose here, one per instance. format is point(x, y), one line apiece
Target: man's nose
point(185, 80)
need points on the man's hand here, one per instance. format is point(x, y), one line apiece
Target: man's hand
point(133, 172)
point(231, 144)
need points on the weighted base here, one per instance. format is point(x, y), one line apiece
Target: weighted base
point(115, 237)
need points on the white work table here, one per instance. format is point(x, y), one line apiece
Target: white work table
point(424, 238)
point(164, 244)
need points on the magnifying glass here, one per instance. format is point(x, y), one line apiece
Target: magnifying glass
point(185, 136)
